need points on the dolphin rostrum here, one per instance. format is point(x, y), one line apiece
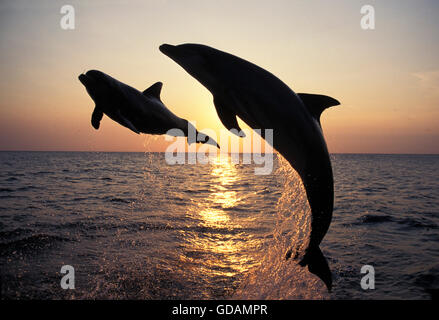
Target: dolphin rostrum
point(138, 111)
point(260, 99)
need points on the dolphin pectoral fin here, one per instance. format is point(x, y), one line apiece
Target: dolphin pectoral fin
point(316, 103)
point(96, 117)
point(227, 117)
point(127, 123)
point(317, 264)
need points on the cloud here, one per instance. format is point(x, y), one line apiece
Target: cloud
point(428, 79)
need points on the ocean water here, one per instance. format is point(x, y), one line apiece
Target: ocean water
point(134, 227)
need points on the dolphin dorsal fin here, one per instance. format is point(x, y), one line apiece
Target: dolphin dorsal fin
point(154, 90)
point(316, 103)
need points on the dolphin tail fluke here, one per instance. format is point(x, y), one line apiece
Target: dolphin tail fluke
point(317, 264)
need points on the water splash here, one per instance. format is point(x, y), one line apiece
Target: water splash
point(275, 277)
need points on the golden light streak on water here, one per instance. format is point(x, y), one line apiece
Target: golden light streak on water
point(225, 247)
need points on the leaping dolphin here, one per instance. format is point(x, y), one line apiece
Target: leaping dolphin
point(138, 111)
point(260, 99)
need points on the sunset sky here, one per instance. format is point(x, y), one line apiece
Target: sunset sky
point(386, 79)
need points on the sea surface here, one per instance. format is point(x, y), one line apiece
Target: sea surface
point(134, 227)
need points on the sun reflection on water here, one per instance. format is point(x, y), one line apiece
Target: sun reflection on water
point(223, 245)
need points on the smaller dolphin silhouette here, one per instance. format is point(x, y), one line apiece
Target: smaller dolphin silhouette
point(245, 90)
point(138, 111)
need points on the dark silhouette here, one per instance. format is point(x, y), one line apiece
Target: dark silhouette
point(138, 111)
point(243, 89)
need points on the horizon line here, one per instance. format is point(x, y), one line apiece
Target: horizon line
point(95, 151)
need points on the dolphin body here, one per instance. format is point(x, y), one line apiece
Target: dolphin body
point(138, 111)
point(260, 99)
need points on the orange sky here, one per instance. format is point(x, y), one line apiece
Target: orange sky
point(387, 79)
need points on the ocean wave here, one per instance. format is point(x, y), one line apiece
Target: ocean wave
point(14, 174)
point(39, 173)
point(6, 235)
point(121, 200)
point(266, 190)
point(418, 223)
point(406, 223)
point(368, 190)
point(26, 188)
point(11, 196)
point(85, 198)
point(371, 218)
point(87, 226)
point(429, 281)
point(30, 243)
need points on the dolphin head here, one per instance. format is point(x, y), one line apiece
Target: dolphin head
point(111, 97)
point(194, 58)
point(98, 84)
point(183, 53)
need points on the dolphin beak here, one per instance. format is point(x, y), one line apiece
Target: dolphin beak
point(86, 79)
point(166, 48)
point(170, 50)
point(83, 78)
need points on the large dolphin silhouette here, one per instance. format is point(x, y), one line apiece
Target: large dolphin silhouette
point(138, 111)
point(260, 99)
